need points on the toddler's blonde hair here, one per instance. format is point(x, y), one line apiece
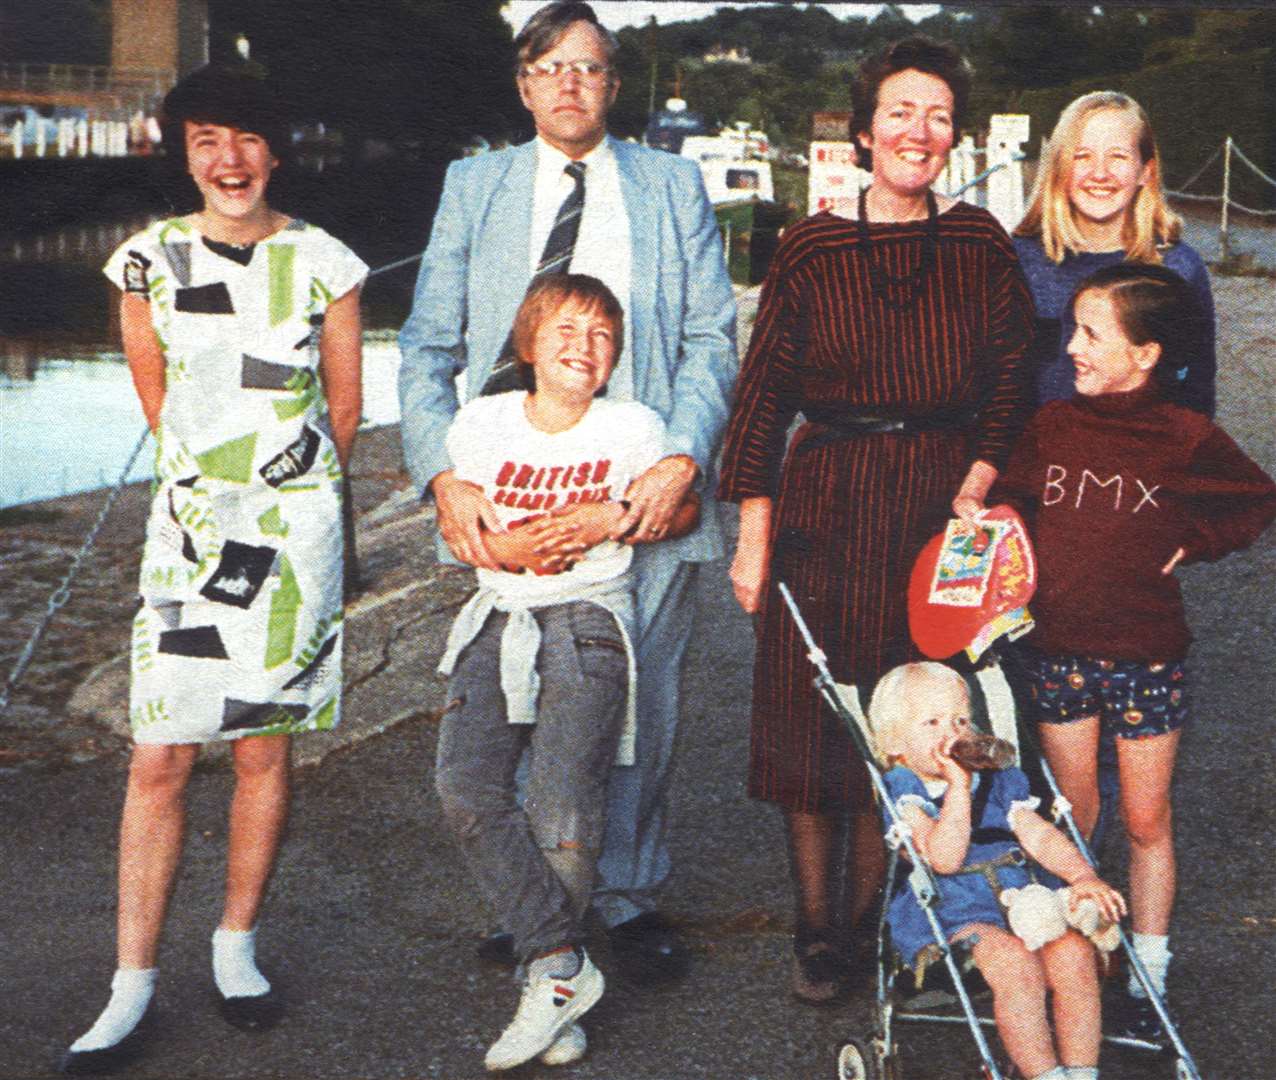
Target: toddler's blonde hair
point(892, 702)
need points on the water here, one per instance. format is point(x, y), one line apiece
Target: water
point(72, 426)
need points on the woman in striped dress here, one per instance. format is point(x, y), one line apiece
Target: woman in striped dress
point(900, 334)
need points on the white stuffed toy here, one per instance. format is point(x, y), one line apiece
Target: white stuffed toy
point(1038, 915)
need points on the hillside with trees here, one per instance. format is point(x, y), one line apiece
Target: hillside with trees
point(1201, 73)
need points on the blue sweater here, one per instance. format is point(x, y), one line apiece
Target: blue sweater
point(1052, 286)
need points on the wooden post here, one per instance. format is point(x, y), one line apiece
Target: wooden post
point(1224, 247)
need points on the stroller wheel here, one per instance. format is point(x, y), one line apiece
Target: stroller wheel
point(855, 1063)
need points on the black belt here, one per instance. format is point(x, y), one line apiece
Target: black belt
point(840, 425)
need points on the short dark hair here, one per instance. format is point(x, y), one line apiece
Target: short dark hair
point(916, 53)
point(1153, 304)
point(549, 293)
point(542, 31)
point(229, 95)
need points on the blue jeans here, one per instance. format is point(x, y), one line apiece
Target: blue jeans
point(535, 863)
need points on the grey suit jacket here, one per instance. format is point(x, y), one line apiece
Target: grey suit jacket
point(681, 308)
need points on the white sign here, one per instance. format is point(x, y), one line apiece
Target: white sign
point(834, 178)
point(1008, 128)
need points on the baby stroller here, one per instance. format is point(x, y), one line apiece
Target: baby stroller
point(877, 1057)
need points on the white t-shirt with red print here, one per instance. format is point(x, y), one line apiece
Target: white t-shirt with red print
point(528, 473)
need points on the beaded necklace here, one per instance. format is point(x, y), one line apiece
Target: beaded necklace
point(880, 279)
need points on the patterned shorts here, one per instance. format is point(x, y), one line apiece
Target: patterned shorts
point(1132, 699)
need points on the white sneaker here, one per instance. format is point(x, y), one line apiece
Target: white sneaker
point(568, 1047)
point(547, 1007)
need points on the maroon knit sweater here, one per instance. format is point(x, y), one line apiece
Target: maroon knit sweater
point(1112, 486)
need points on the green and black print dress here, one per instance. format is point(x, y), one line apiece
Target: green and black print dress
point(239, 631)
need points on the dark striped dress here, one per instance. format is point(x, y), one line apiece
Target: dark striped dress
point(851, 513)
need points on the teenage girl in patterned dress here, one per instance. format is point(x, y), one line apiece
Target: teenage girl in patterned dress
point(241, 327)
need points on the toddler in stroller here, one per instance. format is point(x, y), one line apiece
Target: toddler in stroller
point(977, 830)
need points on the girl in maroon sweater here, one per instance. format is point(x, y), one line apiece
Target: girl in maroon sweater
point(1123, 486)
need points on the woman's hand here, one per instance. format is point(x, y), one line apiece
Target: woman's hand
point(1111, 903)
point(146, 361)
point(341, 367)
point(749, 573)
point(751, 566)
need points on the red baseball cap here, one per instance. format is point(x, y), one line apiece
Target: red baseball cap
point(969, 588)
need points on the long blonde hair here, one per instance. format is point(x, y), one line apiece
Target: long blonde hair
point(1149, 221)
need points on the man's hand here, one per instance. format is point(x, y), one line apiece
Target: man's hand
point(654, 497)
point(463, 513)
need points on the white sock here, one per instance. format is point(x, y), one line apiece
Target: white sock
point(1057, 1073)
point(1154, 951)
point(131, 991)
point(1082, 1072)
point(235, 966)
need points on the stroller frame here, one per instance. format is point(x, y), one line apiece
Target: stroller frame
point(879, 1059)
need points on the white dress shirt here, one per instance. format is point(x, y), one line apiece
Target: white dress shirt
point(602, 245)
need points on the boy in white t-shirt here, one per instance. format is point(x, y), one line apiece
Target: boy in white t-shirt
point(541, 657)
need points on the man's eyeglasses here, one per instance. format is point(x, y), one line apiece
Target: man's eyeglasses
point(590, 71)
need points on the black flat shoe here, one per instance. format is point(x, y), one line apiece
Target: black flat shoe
point(649, 949)
point(110, 1058)
point(258, 1013)
point(497, 949)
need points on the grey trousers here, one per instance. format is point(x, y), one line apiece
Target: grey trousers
point(535, 863)
point(635, 859)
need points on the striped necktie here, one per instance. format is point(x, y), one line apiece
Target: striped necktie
point(561, 241)
point(555, 258)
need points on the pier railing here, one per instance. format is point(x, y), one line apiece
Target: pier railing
point(111, 105)
point(138, 85)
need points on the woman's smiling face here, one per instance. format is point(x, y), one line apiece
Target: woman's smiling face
point(912, 131)
point(231, 168)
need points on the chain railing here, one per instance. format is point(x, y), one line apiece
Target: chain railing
point(1226, 203)
point(58, 599)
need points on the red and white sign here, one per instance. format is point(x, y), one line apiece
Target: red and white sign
point(834, 178)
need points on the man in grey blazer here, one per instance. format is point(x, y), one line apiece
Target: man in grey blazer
point(647, 229)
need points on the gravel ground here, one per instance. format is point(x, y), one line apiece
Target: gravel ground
point(371, 920)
